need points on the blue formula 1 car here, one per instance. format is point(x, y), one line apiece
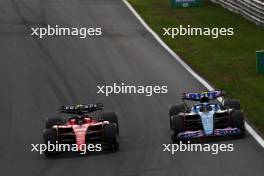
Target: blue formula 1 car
point(206, 118)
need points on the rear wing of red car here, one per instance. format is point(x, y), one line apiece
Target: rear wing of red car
point(80, 108)
point(211, 95)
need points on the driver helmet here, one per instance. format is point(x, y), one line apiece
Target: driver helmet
point(80, 120)
point(204, 99)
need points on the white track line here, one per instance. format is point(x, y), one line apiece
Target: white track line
point(189, 69)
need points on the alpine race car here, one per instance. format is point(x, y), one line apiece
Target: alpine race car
point(81, 129)
point(206, 118)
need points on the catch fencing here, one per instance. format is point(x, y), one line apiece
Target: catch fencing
point(253, 10)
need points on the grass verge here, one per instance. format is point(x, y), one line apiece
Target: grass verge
point(227, 62)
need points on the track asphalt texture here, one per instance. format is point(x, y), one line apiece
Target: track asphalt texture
point(39, 75)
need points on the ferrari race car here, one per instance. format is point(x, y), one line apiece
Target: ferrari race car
point(81, 129)
point(206, 118)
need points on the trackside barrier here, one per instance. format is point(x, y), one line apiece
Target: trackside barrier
point(260, 61)
point(252, 10)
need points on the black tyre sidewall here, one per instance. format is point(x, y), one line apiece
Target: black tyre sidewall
point(111, 117)
point(177, 126)
point(111, 135)
point(51, 136)
point(234, 104)
point(175, 110)
point(50, 122)
point(237, 119)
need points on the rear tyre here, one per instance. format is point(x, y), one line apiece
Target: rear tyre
point(50, 136)
point(175, 110)
point(50, 122)
point(177, 126)
point(237, 121)
point(111, 136)
point(111, 117)
point(234, 104)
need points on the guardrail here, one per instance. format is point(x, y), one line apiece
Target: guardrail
point(253, 10)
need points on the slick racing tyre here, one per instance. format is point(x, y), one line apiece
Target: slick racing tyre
point(111, 117)
point(111, 136)
point(234, 104)
point(175, 110)
point(237, 121)
point(50, 122)
point(50, 136)
point(177, 126)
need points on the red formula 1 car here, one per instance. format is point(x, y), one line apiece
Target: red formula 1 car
point(80, 129)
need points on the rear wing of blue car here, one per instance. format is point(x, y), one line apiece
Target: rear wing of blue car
point(80, 108)
point(211, 95)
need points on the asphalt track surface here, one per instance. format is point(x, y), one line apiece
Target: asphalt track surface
point(38, 75)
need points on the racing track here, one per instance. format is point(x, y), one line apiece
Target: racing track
point(39, 75)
